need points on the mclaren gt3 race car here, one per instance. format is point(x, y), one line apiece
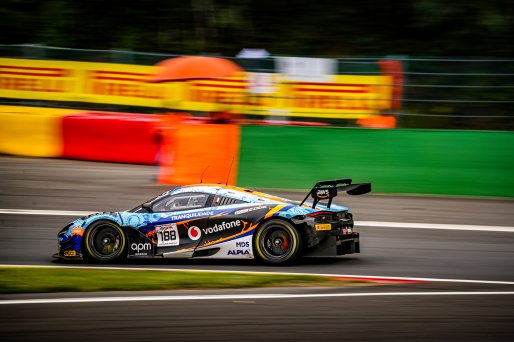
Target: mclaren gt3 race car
point(218, 221)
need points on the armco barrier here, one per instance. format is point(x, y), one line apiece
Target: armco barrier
point(33, 132)
point(395, 161)
point(130, 138)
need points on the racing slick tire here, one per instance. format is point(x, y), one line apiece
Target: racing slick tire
point(105, 241)
point(277, 242)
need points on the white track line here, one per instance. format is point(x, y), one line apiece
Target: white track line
point(44, 212)
point(349, 276)
point(435, 226)
point(412, 225)
point(246, 296)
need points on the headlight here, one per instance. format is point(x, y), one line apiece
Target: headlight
point(62, 233)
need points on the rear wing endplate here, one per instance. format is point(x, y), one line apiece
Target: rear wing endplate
point(327, 190)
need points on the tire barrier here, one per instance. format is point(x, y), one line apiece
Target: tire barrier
point(33, 132)
point(121, 138)
point(70, 133)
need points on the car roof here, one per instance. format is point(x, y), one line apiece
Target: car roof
point(243, 194)
point(247, 195)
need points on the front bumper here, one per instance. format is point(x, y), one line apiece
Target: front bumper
point(60, 255)
point(69, 249)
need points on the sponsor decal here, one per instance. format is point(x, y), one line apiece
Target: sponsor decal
point(191, 215)
point(77, 231)
point(298, 211)
point(323, 193)
point(325, 226)
point(194, 233)
point(70, 253)
point(35, 79)
point(275, 210)
point(107, 82)
point(238, 252)
point(167, 235)
point(141, 248)
point(247, 210)
point(222, 226)
point(242, 244)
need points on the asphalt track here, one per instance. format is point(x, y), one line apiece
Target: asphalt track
point(64, 185)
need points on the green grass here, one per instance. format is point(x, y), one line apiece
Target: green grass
point(37, 280)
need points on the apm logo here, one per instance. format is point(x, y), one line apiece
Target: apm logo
point(141, 247)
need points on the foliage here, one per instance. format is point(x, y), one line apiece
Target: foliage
point(302, 27)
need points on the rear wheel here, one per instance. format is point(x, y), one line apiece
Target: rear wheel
point(277, 242)
point(105, 241)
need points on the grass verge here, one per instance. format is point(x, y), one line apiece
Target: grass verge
point(37, 280)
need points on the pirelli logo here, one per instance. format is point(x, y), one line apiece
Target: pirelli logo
point(39, 79)
point(338, 96)
point(326, 226)
point(125, 84)
point(33, 71)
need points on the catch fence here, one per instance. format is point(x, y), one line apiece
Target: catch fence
point(429, 92)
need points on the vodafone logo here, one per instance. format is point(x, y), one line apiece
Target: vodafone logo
point(194, 233)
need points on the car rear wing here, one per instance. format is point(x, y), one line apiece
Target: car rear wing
point(327, 190)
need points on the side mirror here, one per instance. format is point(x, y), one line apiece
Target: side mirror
point(147, 206)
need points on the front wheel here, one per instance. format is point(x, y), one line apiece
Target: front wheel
point(105, 242)
point(277, 242)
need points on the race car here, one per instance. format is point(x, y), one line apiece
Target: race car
point(219, 221)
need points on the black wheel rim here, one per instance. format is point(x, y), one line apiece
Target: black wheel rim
point(276, 242)
point(106, 242)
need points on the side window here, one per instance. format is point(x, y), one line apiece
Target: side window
point(222, 200)
point(185, 201)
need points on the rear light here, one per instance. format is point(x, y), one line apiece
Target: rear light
point(328, 216)
point(318, 213)
point(344, 215)
point(323, 216)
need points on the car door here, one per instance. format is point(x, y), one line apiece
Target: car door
point(181, 218)
point(225, 223)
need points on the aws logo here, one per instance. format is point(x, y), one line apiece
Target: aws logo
point(323, 193)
